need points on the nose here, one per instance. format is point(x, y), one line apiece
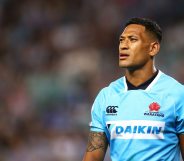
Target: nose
point(123, 45)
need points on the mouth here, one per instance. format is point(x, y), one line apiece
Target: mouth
point(123, 56)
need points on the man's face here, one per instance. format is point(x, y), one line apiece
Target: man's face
point(134, 47)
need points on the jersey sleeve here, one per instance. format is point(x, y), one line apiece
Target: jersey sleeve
point(97, 114)
point(180, 115)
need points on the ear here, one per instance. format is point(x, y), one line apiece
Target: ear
point(154, 48)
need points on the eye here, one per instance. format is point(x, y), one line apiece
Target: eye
point(133, 39)
point(121, 40)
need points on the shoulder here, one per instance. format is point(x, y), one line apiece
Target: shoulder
point(172, 85)
point(115, 87)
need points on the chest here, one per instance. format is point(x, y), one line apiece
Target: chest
point(139, 114)
point(139, 105)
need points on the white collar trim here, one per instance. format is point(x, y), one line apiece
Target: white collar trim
point(150, 85)
point(154, 81)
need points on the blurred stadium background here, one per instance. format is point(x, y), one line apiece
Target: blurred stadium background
point(55, 56)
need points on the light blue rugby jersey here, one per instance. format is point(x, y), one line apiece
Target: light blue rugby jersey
point(141, 125)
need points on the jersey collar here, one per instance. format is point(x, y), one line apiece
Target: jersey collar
point(149, 86)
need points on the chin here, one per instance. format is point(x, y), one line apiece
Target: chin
point(123, 65)
point(127, 66)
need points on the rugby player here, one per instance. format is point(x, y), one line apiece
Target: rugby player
point(140, 116)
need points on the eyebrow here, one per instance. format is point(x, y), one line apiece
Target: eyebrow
point(121, 37)
point(130, 36)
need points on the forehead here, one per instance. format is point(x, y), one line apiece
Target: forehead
point(134, 29)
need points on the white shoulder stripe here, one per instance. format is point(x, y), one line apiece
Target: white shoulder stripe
point(154, 81)
point(125, 84)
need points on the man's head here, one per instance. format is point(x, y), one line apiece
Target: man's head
point(151, 26)
point(139, 43)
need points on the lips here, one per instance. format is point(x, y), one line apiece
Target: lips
point(123, 56)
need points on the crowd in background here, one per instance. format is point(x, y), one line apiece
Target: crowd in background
point(55, 56)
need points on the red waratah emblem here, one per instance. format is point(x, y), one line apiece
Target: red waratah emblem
point(154, 106)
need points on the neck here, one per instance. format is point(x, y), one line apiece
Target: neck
point(139, 76)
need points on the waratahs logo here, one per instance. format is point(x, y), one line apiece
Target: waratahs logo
point(154, 110)
point(154, 107)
